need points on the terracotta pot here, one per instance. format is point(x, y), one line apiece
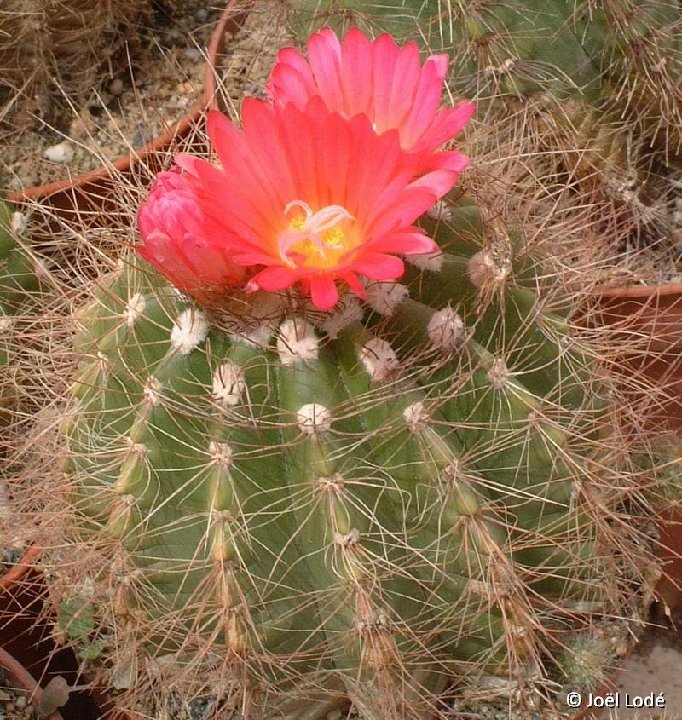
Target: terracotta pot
point(232, 19)
point(669, 588)
point(26, 637)
point(19, 569)
point(648, 319)
point(23, 679)
point(94, 191)
point(22, 593)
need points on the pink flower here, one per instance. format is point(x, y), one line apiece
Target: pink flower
point(380, 80)
point(304, 197)
point(181, 240)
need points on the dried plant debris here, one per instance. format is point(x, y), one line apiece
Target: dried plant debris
point(149, 73)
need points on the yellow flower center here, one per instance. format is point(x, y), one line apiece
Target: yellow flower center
point(315, 239)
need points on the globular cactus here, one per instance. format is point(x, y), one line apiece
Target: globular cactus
point(286, 497)
point(18, 285)
point(289, 505)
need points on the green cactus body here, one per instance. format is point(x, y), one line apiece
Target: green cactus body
point(18, 283)
point(383, 497)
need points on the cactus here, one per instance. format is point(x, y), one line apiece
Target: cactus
point(387, 502)
point(586, 93)
point(415, 494)
point(18, 285)
point(290, 498)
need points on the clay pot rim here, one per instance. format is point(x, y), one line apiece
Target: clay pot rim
point(20, 568)
point(178, 129)
point(123, 164)
point(639, 291)
point(24, 679)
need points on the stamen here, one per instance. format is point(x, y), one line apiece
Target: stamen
point(306, 233)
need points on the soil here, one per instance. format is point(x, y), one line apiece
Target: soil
point(138, 104)
point(245, 65)
point(655, 667)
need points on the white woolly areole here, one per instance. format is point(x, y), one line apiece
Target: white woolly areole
point(134, 309)
point(313, 419)
point(297, 342)
point(384, 297)
point(220, 453)
point(189, 331)
point(416, 417)
point(254, 323)
point(483, 269)
point(347, 311)
point(498, 375)
point(433, 262)
point(136, 449)
point(152, 391)
point(229, 384)
point(379, 359)
point(6, 323)
point(440, 211)
point(446, 329)
point(176, 294)
point(256, 337)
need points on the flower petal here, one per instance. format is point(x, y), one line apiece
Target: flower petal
point(411, 242)
point(379, 266)
point(273, 279)
point(324, 51)
point(377, 79)
point(323, 292)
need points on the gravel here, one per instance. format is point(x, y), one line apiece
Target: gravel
point(14, 702)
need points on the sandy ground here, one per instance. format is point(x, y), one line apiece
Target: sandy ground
point(656, 667)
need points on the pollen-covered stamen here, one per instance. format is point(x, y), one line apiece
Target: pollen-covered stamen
point(314, 238)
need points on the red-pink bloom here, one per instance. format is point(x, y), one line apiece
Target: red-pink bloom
point(304, 196)
point(182, 240)
point(380, 80)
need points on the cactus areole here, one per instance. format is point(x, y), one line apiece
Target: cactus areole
point(306, 472)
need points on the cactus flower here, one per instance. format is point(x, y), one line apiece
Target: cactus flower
point(378, 79)
point(304, 197)
point(181, 240)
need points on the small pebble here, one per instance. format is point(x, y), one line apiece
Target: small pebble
point(116, 87)
point(201, 15)
point(60, 153)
